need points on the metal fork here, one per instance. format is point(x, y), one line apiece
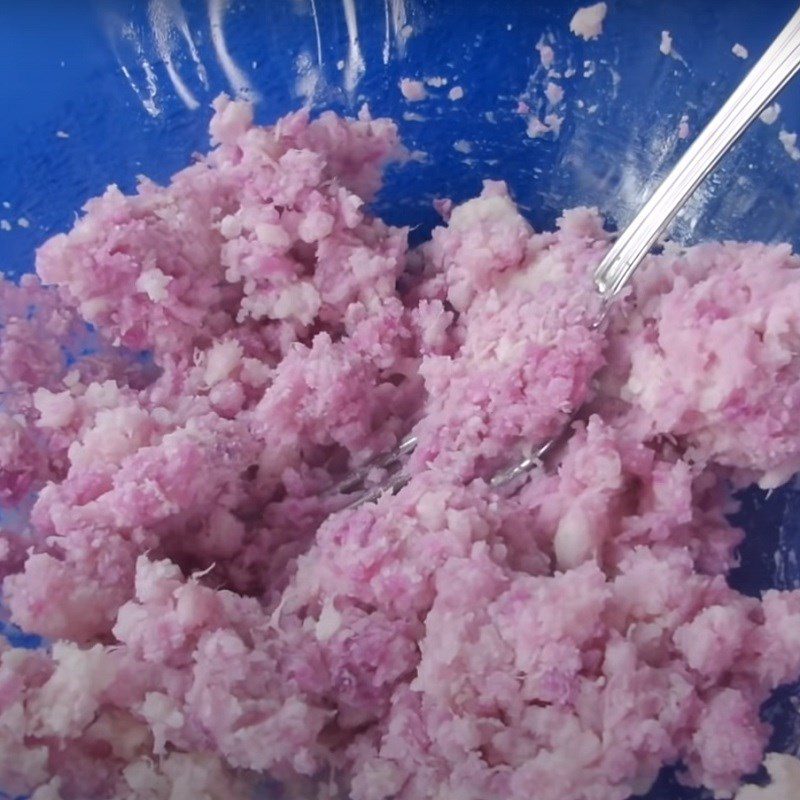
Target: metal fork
point(779, 64)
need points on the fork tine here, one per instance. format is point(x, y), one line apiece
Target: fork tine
point(397, 481)
point(771, 73)
point(534, 460)
point(356, 477)
point(392, 485)
point(523, 466)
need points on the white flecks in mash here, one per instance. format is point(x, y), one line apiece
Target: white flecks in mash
point(411, 116)
point(6, 204)
point(154, 283)
point(587, 22)
point(789, 142)
point(340, 65)
point(740, 51)
point(771, 113)
point(436, 81)
point(5, 225)
point(62, 135)
point(683, 128)
point(23, 222)
point(462, 146)
point(456, 93)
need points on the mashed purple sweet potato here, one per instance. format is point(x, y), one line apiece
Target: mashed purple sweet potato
point(198, 364)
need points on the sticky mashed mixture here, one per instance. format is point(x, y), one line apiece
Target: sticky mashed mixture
point(196, 365)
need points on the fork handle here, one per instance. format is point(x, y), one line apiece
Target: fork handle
point(769, 75)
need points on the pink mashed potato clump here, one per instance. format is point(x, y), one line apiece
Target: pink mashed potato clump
point(195, 367)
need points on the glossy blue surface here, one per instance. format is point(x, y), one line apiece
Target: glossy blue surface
point(88, 99)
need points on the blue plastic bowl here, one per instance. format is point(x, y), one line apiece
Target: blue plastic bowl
point(99, 93)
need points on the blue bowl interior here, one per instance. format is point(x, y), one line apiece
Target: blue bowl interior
point(106, 91)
